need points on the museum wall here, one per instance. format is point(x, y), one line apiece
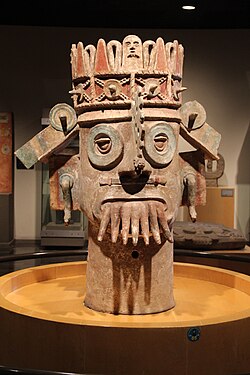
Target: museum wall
point(35, 74)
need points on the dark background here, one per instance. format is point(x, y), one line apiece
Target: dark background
point(219, 14)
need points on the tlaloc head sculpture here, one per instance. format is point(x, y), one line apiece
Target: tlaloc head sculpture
point(129, 178)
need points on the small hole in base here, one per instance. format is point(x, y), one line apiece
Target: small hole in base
point(135, 254)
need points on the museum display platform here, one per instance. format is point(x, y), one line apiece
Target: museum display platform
point(44, 325)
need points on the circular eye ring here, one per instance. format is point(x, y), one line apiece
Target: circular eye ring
point(112, 154)
point(164, 156)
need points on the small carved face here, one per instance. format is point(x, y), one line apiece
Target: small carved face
point(130, 184)
point(132, 52)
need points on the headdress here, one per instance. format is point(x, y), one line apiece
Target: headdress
point(111, 75)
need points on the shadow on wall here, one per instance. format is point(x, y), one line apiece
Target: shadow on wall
point(243, 182)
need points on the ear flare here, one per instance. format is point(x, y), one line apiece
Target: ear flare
point(101, 60)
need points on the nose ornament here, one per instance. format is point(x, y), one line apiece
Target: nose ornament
point(138, 131)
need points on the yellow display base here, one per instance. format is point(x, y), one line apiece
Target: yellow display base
point(44, 325)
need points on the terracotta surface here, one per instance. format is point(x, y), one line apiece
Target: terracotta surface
point(128, 178)
point(44, 325)
point(40, 147)
point(60, 166)
point(134, 279)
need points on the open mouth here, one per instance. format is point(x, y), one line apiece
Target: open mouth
point(133, 54)
point(135, 218)
point(133, 184)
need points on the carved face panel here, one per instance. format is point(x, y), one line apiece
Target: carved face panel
point(132, 53)
point(130, 185)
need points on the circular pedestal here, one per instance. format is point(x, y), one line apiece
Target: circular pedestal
point(44, 325)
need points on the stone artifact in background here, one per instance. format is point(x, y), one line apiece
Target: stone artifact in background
point(206, 236)
point(129, 178)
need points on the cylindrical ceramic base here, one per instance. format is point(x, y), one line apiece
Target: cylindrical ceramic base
point(129, 279)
